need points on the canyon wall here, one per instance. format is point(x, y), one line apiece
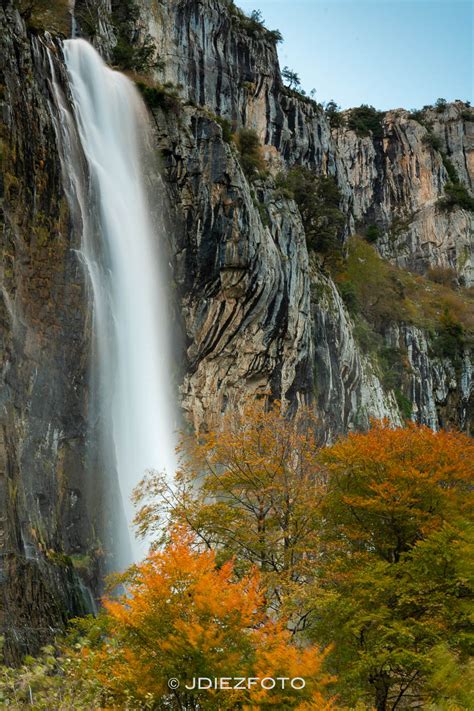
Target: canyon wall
point(256, 312)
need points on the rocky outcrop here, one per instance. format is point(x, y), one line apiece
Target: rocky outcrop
point(242, 271)
point(396, 183)
point(347, 387)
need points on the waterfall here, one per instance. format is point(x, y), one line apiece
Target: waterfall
point(121, 251)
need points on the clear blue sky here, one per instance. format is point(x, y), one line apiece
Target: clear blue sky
point(388, 53)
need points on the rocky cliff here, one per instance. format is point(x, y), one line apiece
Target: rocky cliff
point(259, 312)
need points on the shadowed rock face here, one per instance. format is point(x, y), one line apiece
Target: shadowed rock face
point(255, 314)
point(53, 511)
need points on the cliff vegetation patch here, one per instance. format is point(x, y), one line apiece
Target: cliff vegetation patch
point(318, 198)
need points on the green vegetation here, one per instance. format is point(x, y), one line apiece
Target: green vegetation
point(366, 121)
point(291, 77)
point(253, 25)
point(456, 195)
point(441, 105)
point(318, 198)
point(158, 96)
point(377, 293)
point(130, 54)
point(334, 115)
point(432, 141)
point(405, 405)
point(226, 126)
point(442, 275)
point(450, 338)
point(382, 292)
point(372, 233)
point(42, 15)
point(250, 151)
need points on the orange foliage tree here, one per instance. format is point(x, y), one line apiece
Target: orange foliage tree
point(184, 618)
point(393, 591)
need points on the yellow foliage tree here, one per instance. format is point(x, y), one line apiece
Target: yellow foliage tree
point(251, 490)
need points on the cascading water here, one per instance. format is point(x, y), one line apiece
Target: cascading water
point(121, 250)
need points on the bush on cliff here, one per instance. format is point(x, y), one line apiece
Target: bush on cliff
point(160, 96)
point(44, 15)
point(334, 115)
point(318, 198)
point(456, 195)
point(134, 51)
point(366, 121)
point(250, 151)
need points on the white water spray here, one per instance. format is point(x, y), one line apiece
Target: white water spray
point(123, 261)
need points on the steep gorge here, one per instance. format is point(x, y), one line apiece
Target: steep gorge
point(256, 312)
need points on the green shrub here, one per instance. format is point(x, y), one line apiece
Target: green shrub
point(368, 340)
point(450, 169)
point(450, 338)
point(405, 405)
point(334, 115)
point(372, 233)
point(366, 120)
point(442, 275)
point(128, 53)
point(253, 24)
point(348, 294)
point(318, 198)
point(42, 15)
point(250, 150)
point(433, 141)
point(157, 96)
point(456, 195)
point(418, 115)
point(226, 126)
point(441, 105)
point(383, 293)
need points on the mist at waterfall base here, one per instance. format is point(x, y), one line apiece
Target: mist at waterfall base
point(125, 266)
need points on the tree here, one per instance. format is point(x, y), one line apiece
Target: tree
point(333, 112)
point(393, 592)
point(366, 120)
point(257, 16)
point(291, 78)
point(251, 490)
point(183, 617)
point(250, 150)
point(318, 198)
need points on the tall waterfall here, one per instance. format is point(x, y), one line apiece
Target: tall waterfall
point(121, 250)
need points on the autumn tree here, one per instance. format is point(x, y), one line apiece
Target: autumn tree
point(393, 591)
point(251, 490)
point(182, 617)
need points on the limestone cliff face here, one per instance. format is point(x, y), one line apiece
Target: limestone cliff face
point(393, 182)
point(257, 313)
point(257, 319)
point(396, 181)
